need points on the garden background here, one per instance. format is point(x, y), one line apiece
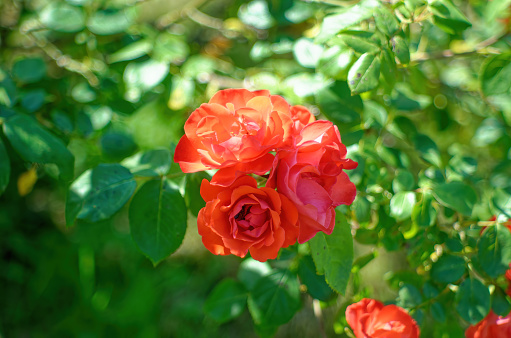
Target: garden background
point(93, 98)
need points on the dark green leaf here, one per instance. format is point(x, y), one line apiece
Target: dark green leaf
point(456, 195)
point(401, 205)
point(496, 75)
point(316, 284)
point(448, 17)
point(117, 145)
point(472, 300)
point(62, 17)
point(363, 75)
point(400, 49)
point(29, 70)
point(428, 149)
point(403, 181)
point(5, 168)
point(494, 250)
point(333, 254)
point(362, 209)
point(193, 198)
point(274, 299)
point(8, 92)
point(150, 163)
point(157, 217)
point(33, 100)
point(408, 296)
point(500, 303)
point(227, 301)
point(448, 269)
point(99, 193)
point(438, 312)
point(337, 103)
point(386, 21)
point(35, 144)
point(251, 271)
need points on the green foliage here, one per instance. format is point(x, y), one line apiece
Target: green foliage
point(93, 98)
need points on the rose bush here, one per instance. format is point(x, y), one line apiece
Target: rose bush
point(492, 326)
point(369, 318)
point(241, 218)
point(312, 176)
point(236, 131)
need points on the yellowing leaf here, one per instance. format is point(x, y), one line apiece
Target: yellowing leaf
point(26, 181)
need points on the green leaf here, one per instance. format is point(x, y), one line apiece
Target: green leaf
point(408, 296)
point(448, 17)
point(438, 312)
point(360, 41)
point(157, 217)
point(335, 62)
point(362, 261)
point(33, 100)
point(400, 49)
point(448, 269)
point(131, 52)
point(500, 303)
point(494, 250)
point(495, 75)
point(333, 24)
point(316, 284)
point(35, 144)
point(428, 149)
point(117, 145)
point(150, 163)
point(142, 76)
point(29, 70)
point(227, 301)
point(5, 168)
point(363, 75)
point(251, 271)
point(488, 132)
point(275, 299)
point(193, 198)
point(388, 69)
point(62, 17)
point(307, 53)
point(401, 205)
point(386, 21)
point(502, 201)
point(337, 103)
point(99, 193)
point(403, 181)
point(472, 300)
point(333, 254)
point(362, 209)
point(256, 14)
point(108, 22)
point(457, 196)
point(423, 213)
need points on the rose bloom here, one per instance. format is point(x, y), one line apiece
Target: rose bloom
point(492, 326)
point(369, 318)
point(241, 218)
point(236, 131)
point(312, 176)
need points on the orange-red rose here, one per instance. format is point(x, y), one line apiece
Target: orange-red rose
point(312, 176)
point(236, 131)
point(492, 326)
point(369, 318)
point(241, 218)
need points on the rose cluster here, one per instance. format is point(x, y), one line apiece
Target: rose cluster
point(298, 161)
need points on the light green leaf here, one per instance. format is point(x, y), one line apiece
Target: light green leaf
point(150, 163)
point(448, 17)
point(227, 301)
point(400, 48)
point(108, 22)
point(423, 213)
point(494, 250)
point(496, 75)
point(307, 53)
point(386, 21)
point(157, 216)
point(250, 271)
point(333, 254)
point(403, 181)
point(334, 62)
point(99, 193)
point(256, 14)
point(61, 17)
point(401, 205)
point(360, 41)
point(363, 75)
point(457, 196)
point(132, 51)
point(35, 144)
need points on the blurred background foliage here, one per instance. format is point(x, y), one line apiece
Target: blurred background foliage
point(94, 95)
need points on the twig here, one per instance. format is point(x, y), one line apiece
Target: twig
point(319, 316)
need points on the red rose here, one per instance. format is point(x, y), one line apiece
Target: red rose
point(236, 131)
point(492, 326)
point(312, 176)
point(369, 318)
point(241, 218)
